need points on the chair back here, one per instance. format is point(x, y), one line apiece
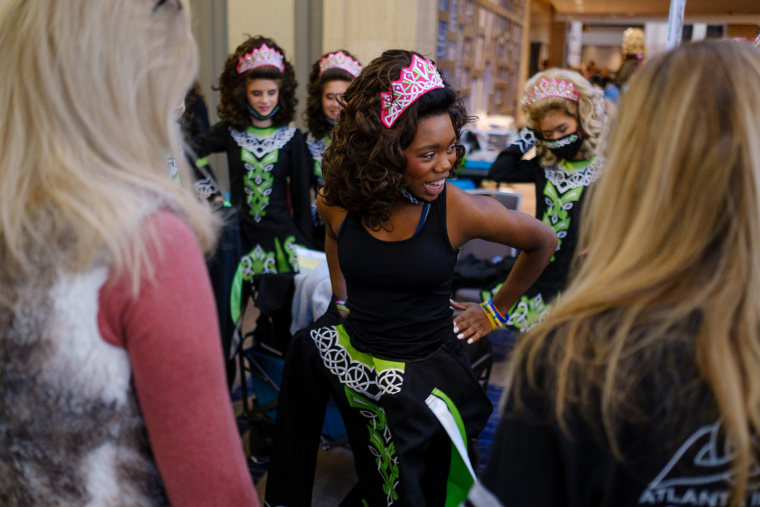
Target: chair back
point(488, 250)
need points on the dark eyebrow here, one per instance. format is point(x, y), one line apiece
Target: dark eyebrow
point(435, 145)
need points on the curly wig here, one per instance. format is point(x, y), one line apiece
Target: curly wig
point(318, 125)
point(232, 106)
point(588, 111)
point(364, 165)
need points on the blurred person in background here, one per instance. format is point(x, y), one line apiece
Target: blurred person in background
point(111, 377)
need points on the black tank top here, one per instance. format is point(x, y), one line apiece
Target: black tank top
point(398, 291)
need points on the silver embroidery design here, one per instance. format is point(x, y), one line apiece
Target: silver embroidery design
point(525, 139)
point(260, 146)
point(564, 141)
point(204, 188)
point(171, 163)
point(564, 180)
point(354, 374)
point(316, 147)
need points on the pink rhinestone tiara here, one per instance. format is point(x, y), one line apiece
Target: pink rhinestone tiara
point(419, 78)
point(340, 60)
point(260, 57)
point(546, 88)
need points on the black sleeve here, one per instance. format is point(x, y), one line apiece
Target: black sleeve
point(300, 184)
point(211, 141)
point(509, 165)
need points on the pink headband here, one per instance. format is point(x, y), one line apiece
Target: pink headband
point(546, 88)
point(419, 78)
point(340, 60)
point(260, 57)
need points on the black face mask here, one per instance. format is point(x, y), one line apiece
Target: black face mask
point(258, 116)
point(565, 148)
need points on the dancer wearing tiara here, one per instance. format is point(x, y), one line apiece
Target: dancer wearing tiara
point(389, 350)
point(565, 122)
point(642, 387)
point(268, 163)
point(330, 76)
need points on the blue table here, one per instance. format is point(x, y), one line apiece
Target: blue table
point(473, 170)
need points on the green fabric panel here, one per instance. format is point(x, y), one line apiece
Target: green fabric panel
point(318, 163)
point(385, 450)
point(363, 357)
point(557, 216)
point(236, 294)
point(283, 266)
point(574, 165)
point(527, 312)
point(290, 252)
point(259, 180)
point(460, 480)
point(454, 412)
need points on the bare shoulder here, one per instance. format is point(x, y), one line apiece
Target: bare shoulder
point(464, 206)
point(471, 216)
point(332, 216)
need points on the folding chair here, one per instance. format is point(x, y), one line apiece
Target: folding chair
point(261, 358)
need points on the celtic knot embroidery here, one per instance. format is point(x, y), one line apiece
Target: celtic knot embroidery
point(526, 313)
point(562, 141)
point(258, 182)
point(356, 375)
point(316, 147)
point(525, 139)
point(260, 146)
point(380, 443)
point(205, 188)
point(256, 262)
point(565, 180)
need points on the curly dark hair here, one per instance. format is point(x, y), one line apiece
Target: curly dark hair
point(232, 106)
point(318, 125)
point(364, 165)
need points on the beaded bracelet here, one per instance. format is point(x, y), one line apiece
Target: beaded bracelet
point(495, 318)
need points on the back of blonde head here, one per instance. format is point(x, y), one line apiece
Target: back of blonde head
point(88, 91)
point(672, 235)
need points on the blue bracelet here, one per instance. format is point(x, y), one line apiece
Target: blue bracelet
point(503, 319)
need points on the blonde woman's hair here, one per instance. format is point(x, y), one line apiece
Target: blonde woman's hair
point(588, 111)
point(89, 93)
point(667, 296)
point(633, 45)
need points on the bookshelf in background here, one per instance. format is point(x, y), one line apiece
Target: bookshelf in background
point(479, 46)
